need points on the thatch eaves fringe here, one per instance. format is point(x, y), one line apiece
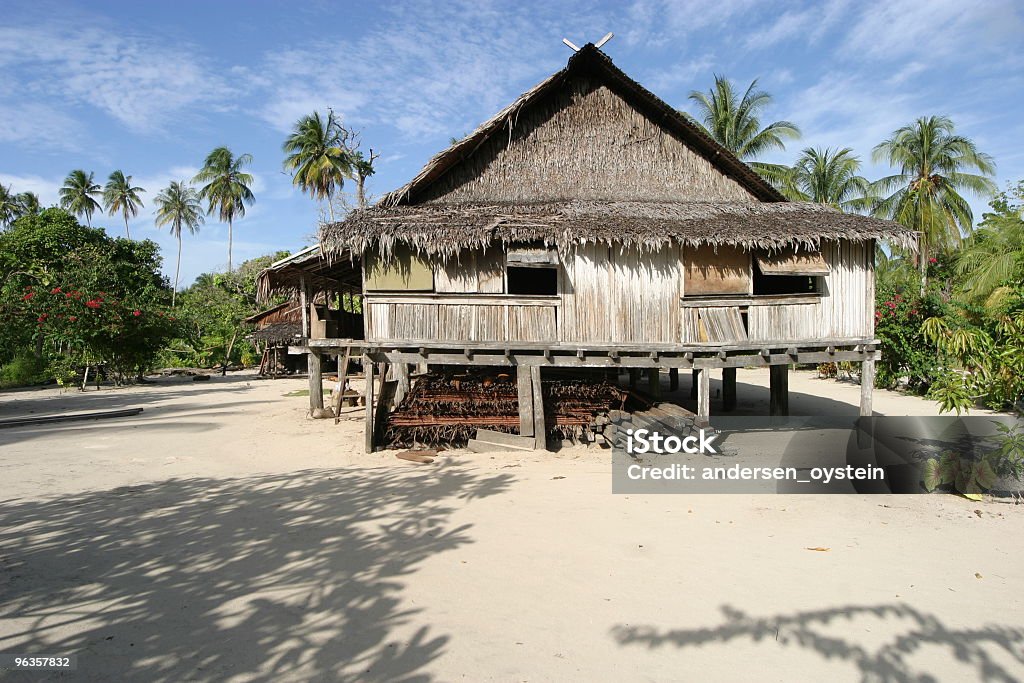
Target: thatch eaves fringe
point(446, 229)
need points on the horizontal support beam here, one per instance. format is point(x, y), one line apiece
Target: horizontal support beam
point(762, 300)
point(464, 299)
point(592, 347)
point(594, 361)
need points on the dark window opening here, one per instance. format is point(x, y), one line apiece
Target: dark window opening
point(783, 284)
point(533, 281)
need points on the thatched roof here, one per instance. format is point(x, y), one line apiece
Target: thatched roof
point(589, 63)
point(589, 155)
point(445, 229)
point(278, 333)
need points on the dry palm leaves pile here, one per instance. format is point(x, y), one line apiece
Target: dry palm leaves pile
point(447, 408)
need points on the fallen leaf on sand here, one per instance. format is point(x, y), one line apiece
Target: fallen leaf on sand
point(977, 575)
point(558, 477)
point(819, 549)
point(978, 512)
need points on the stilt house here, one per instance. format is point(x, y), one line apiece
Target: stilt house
point(591, 224)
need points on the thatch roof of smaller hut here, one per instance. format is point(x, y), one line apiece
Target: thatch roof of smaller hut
point(278, 333)
point(445, 229)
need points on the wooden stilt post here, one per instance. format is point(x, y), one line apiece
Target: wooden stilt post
point(540, 430)
point(385, 399)
point(703, 395)
point(728, 389)
point(867, 386)
point(654, 382)
point(634, 377)
point(368, 375)
point(673, 379)
point(316, 382)
point(525, 387)
point(401, 372)
point(778, 382)
point(303, 296)
point(342, 381)
point(693, 384)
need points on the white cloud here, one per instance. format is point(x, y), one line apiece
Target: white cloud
point(140, 82)
point(939, 28)
point(45, 188)
point(40, 126)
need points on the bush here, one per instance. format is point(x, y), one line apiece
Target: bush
point(22, 371)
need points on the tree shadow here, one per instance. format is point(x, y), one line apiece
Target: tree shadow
point(294, 575)
point(973, 647)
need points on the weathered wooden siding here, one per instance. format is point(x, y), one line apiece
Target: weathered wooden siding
point(473, 271)
point(627, 296)
point(845, 308)
point(488, 320)
point(584, 142)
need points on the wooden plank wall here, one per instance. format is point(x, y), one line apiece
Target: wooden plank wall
point(458, 322)
point(846, 308)
point(613, 295)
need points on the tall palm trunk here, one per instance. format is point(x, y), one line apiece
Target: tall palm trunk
point(361, 189)
point(177, 270)
point(330, 204)
point(230, 236)
point(126, 230)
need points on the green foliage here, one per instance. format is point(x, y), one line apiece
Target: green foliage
point(318, 155)
point(826, 176)
point(906, 355)
point(974, 476)
point(733, 120)
point(213, 311)
point(119, 196)
point(71, 291)
point(226, 188)
point(925, 194)
point(79, 193)
point(22, 370)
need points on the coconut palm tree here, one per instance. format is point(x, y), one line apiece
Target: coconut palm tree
point(120, 196)
point(226, 189)
point(925, 195)
point(178, 206)
point(734, 121)
point(8, 206)
point(993, 256)
point(826, 176)
point(27, 204)
point(318, 156)
point(78, 195)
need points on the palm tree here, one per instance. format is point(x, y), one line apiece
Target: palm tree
point(178, 206)
point(119, 195)
point(318, 156)
point(27, 204)
point(226, 188)
point(8, 206)
point(992, 258)
point(78, 195)
point(734, 121)
point(925, 194)
point(826, 176)
point(363, 168)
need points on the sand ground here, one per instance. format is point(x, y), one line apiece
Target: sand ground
point(222, 536)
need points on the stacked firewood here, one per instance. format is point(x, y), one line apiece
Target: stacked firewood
point(448, 408)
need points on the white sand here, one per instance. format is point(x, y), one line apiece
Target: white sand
point(221, 535)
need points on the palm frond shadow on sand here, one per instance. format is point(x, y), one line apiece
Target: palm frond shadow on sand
point(817, 631)
point(266, 578)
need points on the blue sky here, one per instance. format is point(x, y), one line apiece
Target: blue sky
point(151, 87)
